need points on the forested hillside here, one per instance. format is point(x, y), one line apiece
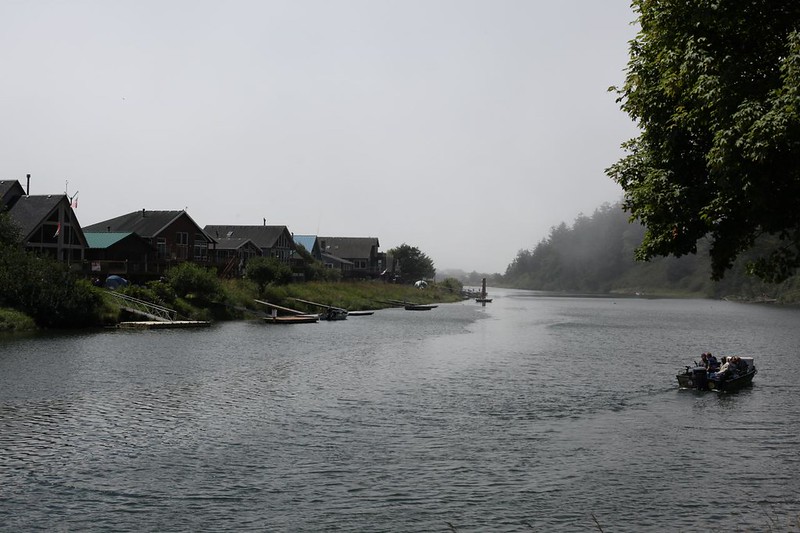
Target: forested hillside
point(596, 255)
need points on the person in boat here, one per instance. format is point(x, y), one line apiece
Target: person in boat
point(741, 366)
point(712, 365)
point(724, 371)
point(733, 367)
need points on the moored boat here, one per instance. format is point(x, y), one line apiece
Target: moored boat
point(291, 319)
point(296, 317)
point(329, 312)
point(419, 307)
point(334, 313)
point(698, 378)
point(360, 313)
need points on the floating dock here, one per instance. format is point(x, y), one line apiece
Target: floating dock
point(164, 324)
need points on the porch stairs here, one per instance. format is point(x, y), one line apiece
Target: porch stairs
point(228, 271)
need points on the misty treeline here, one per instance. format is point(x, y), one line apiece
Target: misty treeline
point(596, 255)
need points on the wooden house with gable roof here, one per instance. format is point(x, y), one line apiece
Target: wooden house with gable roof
point(273, 241)
point(123, 253)
point(175, 237)
point(361, 252)
point(233, 254)
point(47, 223)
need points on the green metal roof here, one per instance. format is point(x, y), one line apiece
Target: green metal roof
point(105, 239)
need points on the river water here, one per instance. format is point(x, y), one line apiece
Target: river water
point(532, 413)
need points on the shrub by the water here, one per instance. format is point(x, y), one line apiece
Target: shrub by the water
point(265, 271)
point(46, 290)
point(12, 321)
point(189, 278)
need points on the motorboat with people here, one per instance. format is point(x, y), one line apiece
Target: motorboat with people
point(733, 374)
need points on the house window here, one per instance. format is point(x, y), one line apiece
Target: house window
point(200, 248)
point(161, 247)
point(182, 248)
point(360, 264)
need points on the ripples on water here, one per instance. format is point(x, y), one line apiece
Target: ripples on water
point(531, 413)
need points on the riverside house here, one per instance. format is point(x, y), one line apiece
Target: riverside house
point(233, 254)
point(47, 223)
point(362, 252)
point(174, 236)
point(273, 241)
point(122, 253)
point(144, 244)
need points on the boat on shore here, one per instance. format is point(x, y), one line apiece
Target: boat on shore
point(329, 312)
point(419, 307)
point(698, 378)
point(294, 316)
point(291, 319)
point(334, 313)
point(411, 306)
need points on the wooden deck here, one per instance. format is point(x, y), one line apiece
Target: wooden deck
point(293, 319)
point(160, 324)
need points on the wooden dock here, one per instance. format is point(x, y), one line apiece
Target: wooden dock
point(292, 319)
point(162, 324)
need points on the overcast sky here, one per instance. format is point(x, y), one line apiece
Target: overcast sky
point(465, 128)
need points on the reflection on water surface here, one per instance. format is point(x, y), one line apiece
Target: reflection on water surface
point(531, 410)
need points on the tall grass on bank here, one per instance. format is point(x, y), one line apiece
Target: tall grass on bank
point(12, 321)
point(236, 299)
point(364, 295)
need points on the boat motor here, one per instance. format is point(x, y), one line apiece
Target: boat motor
point(700, 377)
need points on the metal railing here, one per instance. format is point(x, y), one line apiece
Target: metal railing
point(143, 307)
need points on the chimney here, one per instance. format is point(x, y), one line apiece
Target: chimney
point(265, 221)
point(142, 213)
point(28, 187)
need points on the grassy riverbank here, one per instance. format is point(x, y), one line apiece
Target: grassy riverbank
point(236, 299)
point(357, 295)
point(12, 321)
point(205, 297)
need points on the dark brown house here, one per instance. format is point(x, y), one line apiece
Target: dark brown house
point(175, 237)
point(233, 254)
point(273, 241)
point(47, 223)
point(362, 252)
point(122, 253)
